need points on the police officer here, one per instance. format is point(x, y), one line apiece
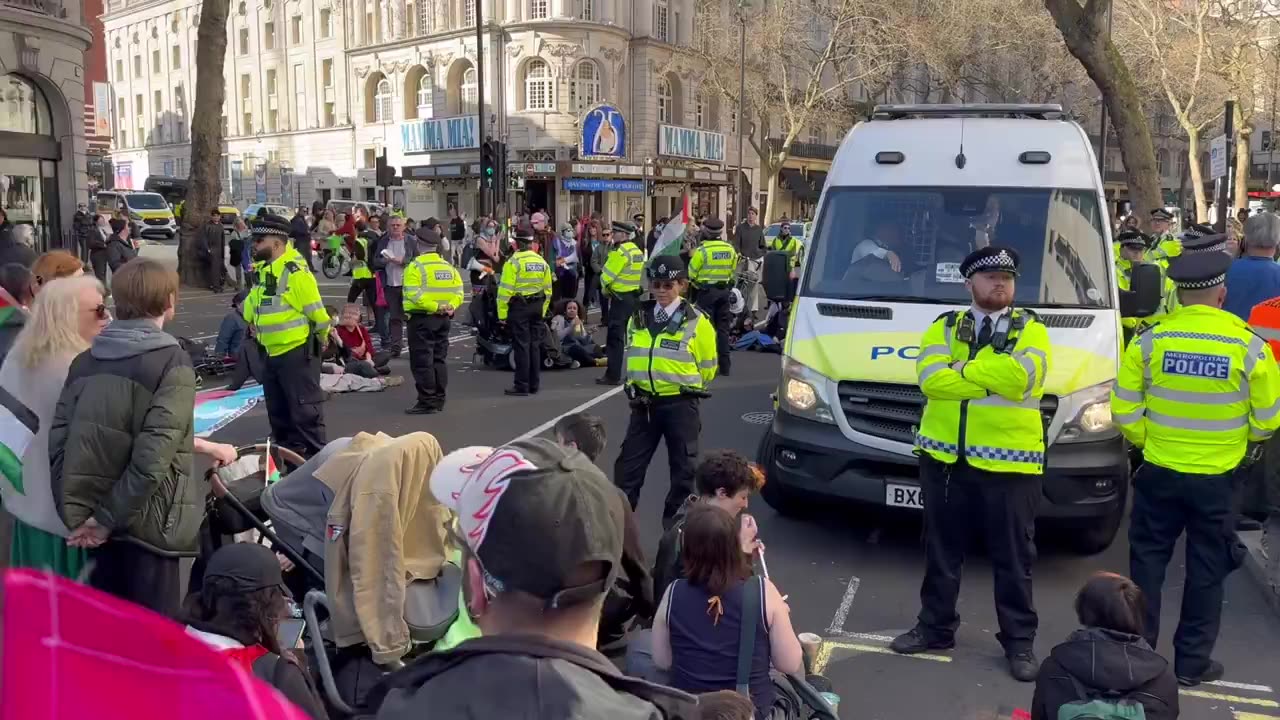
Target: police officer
point(362, 282)
point(787, 243)
point(524, 295)
point(290, 324)
point(1133, 252)
point(620, 280)
point(711, 271)
point(981, 448)
point(432, 293)
point(1198, 393)
point(1164, 245)
point(670, 358)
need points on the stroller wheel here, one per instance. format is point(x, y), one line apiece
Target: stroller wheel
point(547, 362)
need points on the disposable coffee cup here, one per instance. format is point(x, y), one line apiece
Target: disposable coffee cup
point(809, 643)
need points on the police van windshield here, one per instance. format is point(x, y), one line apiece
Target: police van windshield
point(146, 201)
point(1057, 233)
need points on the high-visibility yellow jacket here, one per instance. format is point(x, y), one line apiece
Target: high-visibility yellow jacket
point(430, 283)
point(1167, 246)
point(981, 404)
point(360, 264)
point(1195, 390)
point(621, 273)
point(285, 307)
point(713, 263)
point(525, 274)
point(680, 354)
point(791, 246)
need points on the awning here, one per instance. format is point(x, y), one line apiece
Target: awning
point(817, 179)
point(792, 180)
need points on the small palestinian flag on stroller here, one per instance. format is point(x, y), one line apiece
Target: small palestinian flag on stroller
point(272, 471)
point(18, 427)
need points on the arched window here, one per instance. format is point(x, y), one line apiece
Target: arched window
point(424, 96)
point(700, 110)
point(23, 108)
point(1162, 161)
point(418, 92)
point(584, 89)
point(470, 91)
point(538, 86)
point(382, 102)
point(665, 102)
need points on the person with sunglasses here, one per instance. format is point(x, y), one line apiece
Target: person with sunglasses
point(670, 359)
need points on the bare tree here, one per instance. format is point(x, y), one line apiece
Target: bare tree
point(205, 183)
point(1084, 28)
point(804, 60)
point(1241, 61)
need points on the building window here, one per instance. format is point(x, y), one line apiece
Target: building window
point(699, 110)
point(137, 66)
point(538, 9)
point(326, 73)
point(176, 57)
point(139, 114)
point(468, 13)
point(470, 91)
point(330, 114)
point(269, 36)
point(243, 47)
point(159, 102)
point(424, 96)
point(661, 14)
point(299, 97)
point(119, 70)
point(538, 86)
point(156, 67)
point(1162, 161)
point(733, 121)
point(369, 23)
point(665, 101)
point(584, 90)
point(246, 91)
point(816, 135)
point(326, 23)
point(295, 30)
point(426, 17)
point(382, 102)
point(587, 11)
point(120, 116)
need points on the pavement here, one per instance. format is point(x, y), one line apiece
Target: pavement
point(852, 574)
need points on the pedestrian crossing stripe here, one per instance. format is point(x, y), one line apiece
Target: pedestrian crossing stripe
point(1237, 699)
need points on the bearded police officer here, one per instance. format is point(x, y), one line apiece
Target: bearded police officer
point(432, 293)
point(671, 357)
point(524, 295)
point(981, 448)
point(289, 322)
point(620, 280)
point(1198, 393)
point(711, 270)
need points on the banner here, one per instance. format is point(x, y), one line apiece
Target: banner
point(215, 409)
point(286, 186)
point(260, 183)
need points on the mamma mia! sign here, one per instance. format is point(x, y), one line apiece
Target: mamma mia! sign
point(690, 143)
point(440, 134)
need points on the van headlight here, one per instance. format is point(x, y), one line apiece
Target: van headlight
point(804, 392)
point(1091, 419)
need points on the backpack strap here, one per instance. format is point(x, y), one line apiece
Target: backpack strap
point(751, 592)
point(1082, 693)
point(268, 669)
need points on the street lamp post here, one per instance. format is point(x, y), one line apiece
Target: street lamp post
point(740, 201)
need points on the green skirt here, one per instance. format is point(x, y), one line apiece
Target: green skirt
point(35, 548)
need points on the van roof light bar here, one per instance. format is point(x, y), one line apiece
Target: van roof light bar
point(988, 110)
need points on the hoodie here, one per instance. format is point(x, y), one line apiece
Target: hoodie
point(1106, 661)
point(524, 677)
point(120, 446)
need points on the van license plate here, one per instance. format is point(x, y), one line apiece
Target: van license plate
point(903, 496)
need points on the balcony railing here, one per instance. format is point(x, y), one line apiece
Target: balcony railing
point(47, 7)
point(810, 151)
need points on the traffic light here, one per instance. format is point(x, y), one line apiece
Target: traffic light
point(488, 163)
point(384, 173)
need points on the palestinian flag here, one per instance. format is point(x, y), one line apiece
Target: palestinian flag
point(272, 472)
point(18, 427)
point(673, 234)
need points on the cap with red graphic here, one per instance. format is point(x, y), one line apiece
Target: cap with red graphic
point(533, 513)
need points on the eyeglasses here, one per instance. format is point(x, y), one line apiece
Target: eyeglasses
point(100, 311)
point(662, 284)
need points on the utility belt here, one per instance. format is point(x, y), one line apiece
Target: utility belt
point(714, 286)
point(528, 299)
point(623, 295)
point(639, 397)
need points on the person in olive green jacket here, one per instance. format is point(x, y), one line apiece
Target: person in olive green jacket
point(121, 443)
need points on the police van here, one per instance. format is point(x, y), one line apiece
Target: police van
point(911, 192)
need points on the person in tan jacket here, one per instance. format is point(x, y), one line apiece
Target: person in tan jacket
point(384, 530)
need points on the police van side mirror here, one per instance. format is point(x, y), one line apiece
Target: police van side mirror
point(1142, 299)
point(775, 274)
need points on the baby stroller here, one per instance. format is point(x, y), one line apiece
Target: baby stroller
point(493, 343)
point(291, 516)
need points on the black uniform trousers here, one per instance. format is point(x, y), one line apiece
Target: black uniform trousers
point(368, 287)
point(674, 419)
point(714, 301)
point(295, 402)
point(428, 349)
point(956, 497)
point(620, 309)
point(524, 320)
point(1165, 503)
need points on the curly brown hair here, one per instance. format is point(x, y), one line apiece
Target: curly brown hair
point(726, 470)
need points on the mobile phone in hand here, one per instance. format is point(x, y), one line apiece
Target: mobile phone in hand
point(289, 633)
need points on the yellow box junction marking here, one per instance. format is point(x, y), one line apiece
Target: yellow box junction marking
point(823, 657)
point(1237, 699)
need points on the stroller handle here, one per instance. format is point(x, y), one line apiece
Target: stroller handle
point(309, 603)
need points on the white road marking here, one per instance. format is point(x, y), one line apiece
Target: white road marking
point(1241, 686)
point(551, 423)
point(842, 612)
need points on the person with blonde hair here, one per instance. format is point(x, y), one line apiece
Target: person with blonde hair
point(64, 319)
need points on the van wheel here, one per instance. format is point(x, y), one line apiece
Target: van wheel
point(778, 497)
point(1097, 535)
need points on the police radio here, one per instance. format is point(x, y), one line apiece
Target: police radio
point(1000, 334)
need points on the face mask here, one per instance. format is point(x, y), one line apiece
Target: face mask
point(262, 254)
point(489, 232)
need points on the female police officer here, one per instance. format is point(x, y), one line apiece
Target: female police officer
point(670, 358)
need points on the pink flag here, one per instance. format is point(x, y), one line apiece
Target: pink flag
point(72, 652)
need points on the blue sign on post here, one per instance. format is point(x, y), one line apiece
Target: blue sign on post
point(602, 134)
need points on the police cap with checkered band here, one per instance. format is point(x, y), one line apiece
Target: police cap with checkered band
point(666, 267)
point(1199, 270)
point(987, 259)
point(1161, 214)
point(1203, 239)
point(712, 228)
point(1131, 237)
point(266, 226)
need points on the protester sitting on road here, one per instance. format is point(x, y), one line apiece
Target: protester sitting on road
point(723, 478)
point(568, 328)
point(53, 265)
point(542, 536)
point(726, 705)
point(582, 432)
point(238, 612)
point(63, 322)
point(121, 441)
point(231, 333)
point(1106, 662)
point(697, 629)
point(357, 345)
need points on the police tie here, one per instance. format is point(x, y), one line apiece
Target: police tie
point(660, 315)
point(984, 335)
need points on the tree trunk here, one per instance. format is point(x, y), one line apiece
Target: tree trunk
point(1084, 30)
point(205, 184)
point(771, 180)
point(1243, 163)
point(1196, 172)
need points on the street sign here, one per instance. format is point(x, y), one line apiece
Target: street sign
point(1218, 157)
